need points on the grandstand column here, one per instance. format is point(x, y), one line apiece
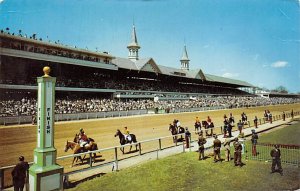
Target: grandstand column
point(45, 174)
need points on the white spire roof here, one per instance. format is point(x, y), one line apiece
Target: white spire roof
point(184, 55)
point(134, 42)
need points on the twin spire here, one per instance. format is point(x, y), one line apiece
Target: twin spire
point(134, 47)
point(185, 61)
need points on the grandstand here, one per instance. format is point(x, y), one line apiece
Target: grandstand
point(82, 73)
point(90, 81)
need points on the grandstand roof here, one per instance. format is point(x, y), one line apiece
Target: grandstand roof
point(213, 78)
point(149, 65)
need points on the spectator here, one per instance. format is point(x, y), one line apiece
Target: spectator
point(255, 122)
point(276, 161)
point(254, 138)
point(201, 142)
point(240, 126)
point(187, 138)
point(283, 116)
point(227, 150)
point(19, 174)
point(217, 147)
point(237, 152)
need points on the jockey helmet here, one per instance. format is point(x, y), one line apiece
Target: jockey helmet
point(21, 158)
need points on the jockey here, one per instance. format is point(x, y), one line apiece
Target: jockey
point(197, 124)
point(208, 120)
point(83, 140)
point(127, 134)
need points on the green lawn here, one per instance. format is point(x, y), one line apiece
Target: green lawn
point(185, 172)
point(286, 135)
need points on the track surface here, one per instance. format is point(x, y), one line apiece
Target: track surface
point(21, 140)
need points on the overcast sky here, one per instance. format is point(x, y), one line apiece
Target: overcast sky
point(257, 41)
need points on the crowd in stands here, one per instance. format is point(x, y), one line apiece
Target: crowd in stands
point(53, 51)
point(98, 82)
point(62, 106)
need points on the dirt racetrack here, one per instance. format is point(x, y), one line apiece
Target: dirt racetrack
point(21, 140)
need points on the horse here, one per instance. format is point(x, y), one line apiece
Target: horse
point(208, 126)
point(197, 127)
point(173, 130)
point(180, 131)
point(76, 150)
point(91, 146)
point(124, 141)
point(90, 140)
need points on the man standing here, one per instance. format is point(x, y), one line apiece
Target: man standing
point(227, 150)
point(237, 152)
point(187, 138)
point(283, 116)
point(217, 146)
point(240, 126)
point(254, 138)
point(201, 142)
point(255, 122)
point(229, 128)
point(19, 174)
point(276, 161)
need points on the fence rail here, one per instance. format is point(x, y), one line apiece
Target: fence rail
point(81, 116)
point(290, 154)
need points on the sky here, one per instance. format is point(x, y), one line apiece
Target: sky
point(257, 41)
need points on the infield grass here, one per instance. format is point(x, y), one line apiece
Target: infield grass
point(185, 172)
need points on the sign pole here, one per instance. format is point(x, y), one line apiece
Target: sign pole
point(45, 174)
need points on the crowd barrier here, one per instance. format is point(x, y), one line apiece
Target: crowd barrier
point(80, 116)
point(290, 154)
point(72, 116)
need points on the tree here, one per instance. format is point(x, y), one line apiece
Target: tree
point(281, 89)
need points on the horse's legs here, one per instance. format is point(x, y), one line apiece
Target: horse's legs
point(95, 157)
point(81, 159)
point(122, 149)
point(73, 161)
point(130, 148)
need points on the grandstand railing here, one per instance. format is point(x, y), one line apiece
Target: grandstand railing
point(112, 156)
point(95, 115)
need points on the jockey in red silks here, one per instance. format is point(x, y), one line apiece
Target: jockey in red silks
point(83, 139)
